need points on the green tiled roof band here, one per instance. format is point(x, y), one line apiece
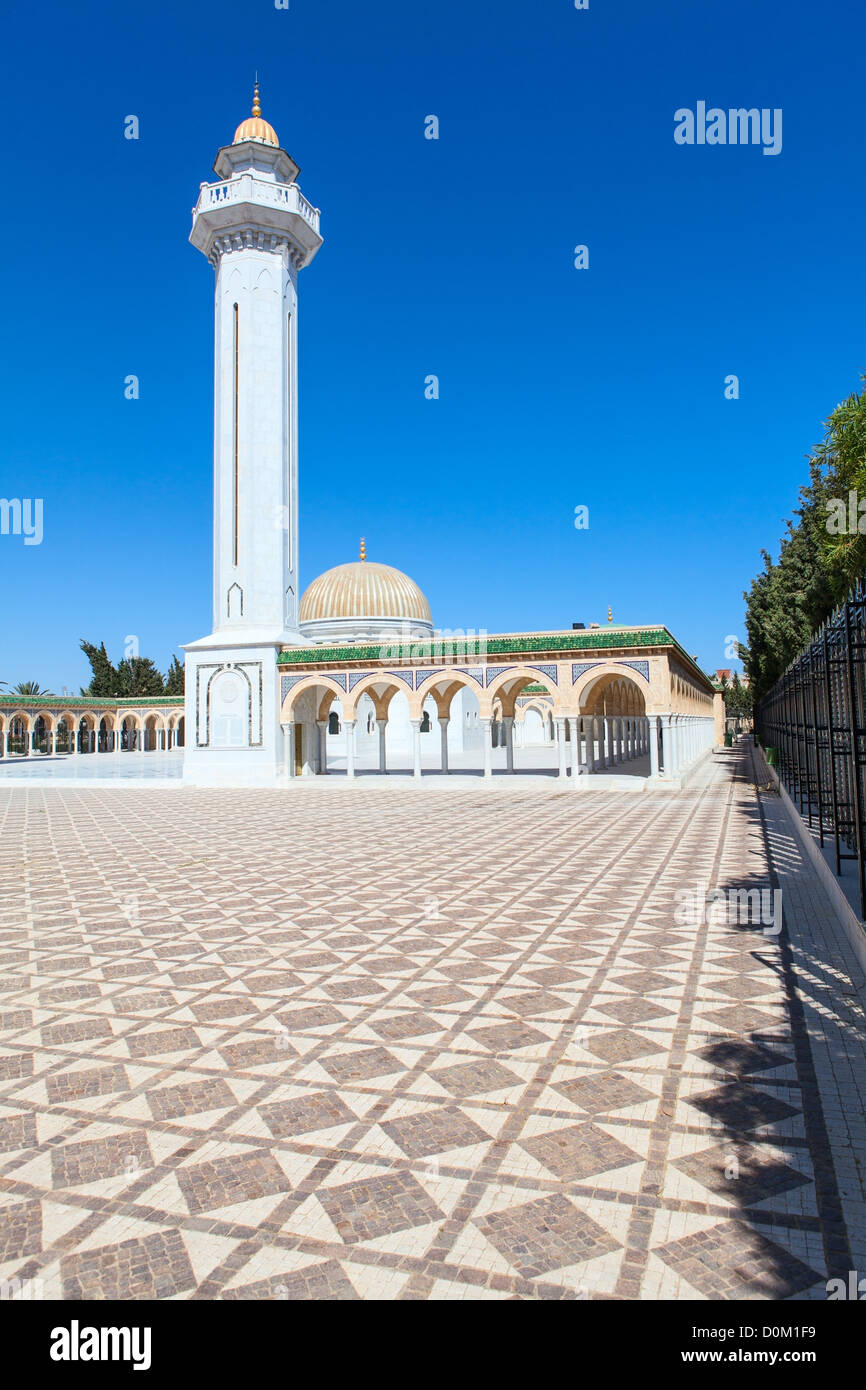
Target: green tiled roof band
point(88, 701)
point(469, 649)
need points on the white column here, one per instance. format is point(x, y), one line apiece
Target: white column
point(53, 742)
point(2, 743)
point(487, 738)
point(382, 726)
point(444, 721)
point(667, 747)
point(289, 749)
point(575, 749)
point(73, 741)
point(560, 740)
point(653, 739)
point(508, 726)
point(322, 726)
point(30, 742)
point(349, 727)
point(416, 747)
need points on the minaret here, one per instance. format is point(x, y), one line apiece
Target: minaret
point(258, 231)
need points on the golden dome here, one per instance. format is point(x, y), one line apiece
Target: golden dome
point(254, 128)
point(364, 589)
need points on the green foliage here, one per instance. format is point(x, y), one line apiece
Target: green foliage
point(104, 682)
point(137, 675)
point(738, 698)
point(841, 459)
point(817, 565)
point(174, 678)
point(29, 688)
point(133, 678)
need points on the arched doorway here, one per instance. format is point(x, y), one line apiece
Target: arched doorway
point(613, 724)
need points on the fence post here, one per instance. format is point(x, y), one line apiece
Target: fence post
point(855, 758)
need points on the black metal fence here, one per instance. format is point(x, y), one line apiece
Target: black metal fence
point(815, 716)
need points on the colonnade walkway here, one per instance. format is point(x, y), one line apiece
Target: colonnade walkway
point(540, 760)
point(650, 746)
point(263, 1046)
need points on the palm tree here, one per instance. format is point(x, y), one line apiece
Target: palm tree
point(29, 688)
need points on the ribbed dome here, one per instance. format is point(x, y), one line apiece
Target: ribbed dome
point(364, 589)
point(254, 128)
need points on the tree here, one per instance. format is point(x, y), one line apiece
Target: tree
point(104, 684)
point(174, 678)
point(29, 688)
point(788, 600)
point(840, 459)
point(738, 699)
point(822, 553)
point(133, 677)
point(137, 676)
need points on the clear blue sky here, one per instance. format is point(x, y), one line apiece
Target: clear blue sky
point(455, 257)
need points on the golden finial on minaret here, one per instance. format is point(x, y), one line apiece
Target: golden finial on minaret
point(363, 549)
point(609, 614)
point(257, 106)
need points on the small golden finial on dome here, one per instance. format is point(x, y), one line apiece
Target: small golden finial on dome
point(255, 127)
point(609, 614)
point(363, 549)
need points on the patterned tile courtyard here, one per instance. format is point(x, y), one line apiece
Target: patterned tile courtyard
point(392, 1043)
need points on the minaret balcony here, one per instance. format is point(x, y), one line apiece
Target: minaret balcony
point(246, 200)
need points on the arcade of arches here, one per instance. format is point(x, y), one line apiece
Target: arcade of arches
point(600, 716)
point(51, 726)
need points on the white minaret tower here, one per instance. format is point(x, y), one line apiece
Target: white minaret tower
point(258, 231)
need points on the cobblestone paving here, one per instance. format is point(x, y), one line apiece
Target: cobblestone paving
point(395, 1045)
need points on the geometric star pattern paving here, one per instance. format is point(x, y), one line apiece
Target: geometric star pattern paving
point(395, 1043)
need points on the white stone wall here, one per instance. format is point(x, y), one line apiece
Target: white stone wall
point(263, 285)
